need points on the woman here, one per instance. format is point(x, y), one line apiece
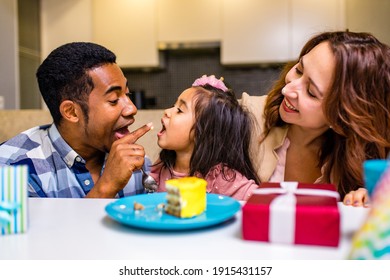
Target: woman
point(328, 112)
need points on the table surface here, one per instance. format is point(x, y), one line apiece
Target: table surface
point(68, 229)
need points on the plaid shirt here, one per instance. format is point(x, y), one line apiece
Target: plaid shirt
point(55, 169)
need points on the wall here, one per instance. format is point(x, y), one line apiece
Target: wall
point(9, 66)
point(29, 53)
point(183, 67)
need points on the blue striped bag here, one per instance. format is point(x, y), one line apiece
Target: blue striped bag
point(13, 199)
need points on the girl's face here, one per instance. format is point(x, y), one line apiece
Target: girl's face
point(176, 133)
point(307, 84)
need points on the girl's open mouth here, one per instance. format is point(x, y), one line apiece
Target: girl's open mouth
point(162, 130)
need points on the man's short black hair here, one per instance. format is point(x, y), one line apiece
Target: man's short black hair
point(63, 75)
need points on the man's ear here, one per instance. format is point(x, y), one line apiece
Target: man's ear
point(70, 111)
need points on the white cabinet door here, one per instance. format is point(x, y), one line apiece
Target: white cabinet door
point(255, 31)
point(310, 17)
point(128, 28)
point(262, 31)
point(190, 21)
point(369, 16)
point(63, 22)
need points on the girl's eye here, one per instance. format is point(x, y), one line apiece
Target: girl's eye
point(177, 108)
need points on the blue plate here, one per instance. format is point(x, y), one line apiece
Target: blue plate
point(219, 209)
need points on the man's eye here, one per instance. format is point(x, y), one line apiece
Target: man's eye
point(129, 95)
point(113, 101)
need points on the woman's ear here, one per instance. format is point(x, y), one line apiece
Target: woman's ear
point(70, 111)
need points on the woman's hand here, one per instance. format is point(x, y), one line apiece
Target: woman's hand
point(357, 198)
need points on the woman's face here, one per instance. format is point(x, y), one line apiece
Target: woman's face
point(177, 122)
point(307, 84)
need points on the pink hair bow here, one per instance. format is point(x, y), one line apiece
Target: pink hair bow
point(212, 81)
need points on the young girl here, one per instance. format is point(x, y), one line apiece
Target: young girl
point(207, 134)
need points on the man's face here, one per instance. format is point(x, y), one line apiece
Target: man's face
point(110, 108)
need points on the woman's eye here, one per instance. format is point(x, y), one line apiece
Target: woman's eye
point(128, 95)
point(298, 71)
point(310, 94)
point(179, 110)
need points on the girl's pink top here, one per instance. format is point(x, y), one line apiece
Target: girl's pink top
point(240, 188)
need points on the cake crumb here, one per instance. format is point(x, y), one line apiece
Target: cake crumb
point(138, 206)
point(160, 206)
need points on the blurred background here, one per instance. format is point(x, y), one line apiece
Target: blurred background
point(164, 45)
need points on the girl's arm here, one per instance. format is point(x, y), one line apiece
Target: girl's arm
point(240, 188)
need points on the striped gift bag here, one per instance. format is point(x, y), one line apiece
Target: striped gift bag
point(372, 240)
point(13, 199)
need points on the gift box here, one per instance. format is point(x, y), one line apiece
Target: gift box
point(13, 199)
point(293, 213)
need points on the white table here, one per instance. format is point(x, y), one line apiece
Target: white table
point(64, 229)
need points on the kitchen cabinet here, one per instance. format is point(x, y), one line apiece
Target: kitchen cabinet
point(255, 31)
point(309, 17)
point(188, 21)
point(261, 31)
point(249, 31)
point(63, 22)
point(128, 28)
point(369, 16)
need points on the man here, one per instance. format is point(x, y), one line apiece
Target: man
point(88, 151)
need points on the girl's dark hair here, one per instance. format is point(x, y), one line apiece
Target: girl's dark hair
point(222, 131)
point(357, 106)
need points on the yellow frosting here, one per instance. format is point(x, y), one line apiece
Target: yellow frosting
point(190, 195)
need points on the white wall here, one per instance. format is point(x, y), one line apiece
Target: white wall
point(9, 61)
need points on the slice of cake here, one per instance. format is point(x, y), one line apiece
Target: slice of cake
point(186, 197)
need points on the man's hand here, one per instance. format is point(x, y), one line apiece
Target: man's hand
point(125, 156)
